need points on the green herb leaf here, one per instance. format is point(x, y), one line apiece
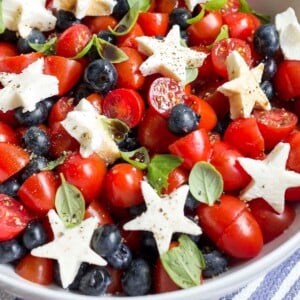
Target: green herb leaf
point(197, 18)
point(191, 75)
point(206, 183)
point(117, 128)
point(138, 157)
point(184, 263)
point(86, 49)
point(159, 169)
point(2, 27)
point(223, 34)
point(215, 4)
point(54, 163)
point(128, 21)
point(245, 7)
point(46, 48)
point(69, 204)
point(144, 4)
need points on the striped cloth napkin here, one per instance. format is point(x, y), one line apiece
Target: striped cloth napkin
point(282, 283)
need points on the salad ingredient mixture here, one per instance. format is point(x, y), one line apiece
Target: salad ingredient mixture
point(145, 146)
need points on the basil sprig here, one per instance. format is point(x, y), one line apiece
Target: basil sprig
point(139, 158)
point(46, 48)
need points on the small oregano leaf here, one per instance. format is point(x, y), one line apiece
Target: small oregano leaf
point(184, 263)
point(159, 169)
point(117, 128)
point(198, 17)
point(223, 34)
point(245, 7)
point(46, 48)
point(206, 183)
point(191, 75)
point(139, 158)
point(86, 49)
point(69, 204)
point(2, 27)
point(54, 163)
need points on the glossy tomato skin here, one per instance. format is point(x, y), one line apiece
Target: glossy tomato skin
point(272, 224)
point(293, 162)
point(60, 109)
point(123, 185)
point(231, 226)
point(129, 39)
point(154, 24)
point(176, 178)
point(86, 173)
point(99, 23)
point(7, 49)
point(13, 217)
point(7, 134)
point(96, 209)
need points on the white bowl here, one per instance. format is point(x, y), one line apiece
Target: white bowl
point(272, 254)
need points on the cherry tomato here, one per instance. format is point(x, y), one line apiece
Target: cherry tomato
point(193, 147)
point(96, 100)
point(13, 159)
point(164, 93)
point(129, 74)
point(123, 185)
point(244, 134)
point(292, 194)
point(9, 118)
point(86, 173)
point(286, 79)
point(36, 269)
point(231, 6)
point(99, 23)
point(223, 48)
point(176, 178)
point(206, 30)
point(13, 217)
point(224, 158)
point(116, 286)
point(154, 24)
point(293, 162)
point(7, 49)
point(7, 134)
point(60, 109)
point(72, 40)
point(38, 191)
point(96, 209)
point(272, 224)
point(124, 104)
point(166, 6)
point(129, 39)
point(275, 125)
point(232, 227)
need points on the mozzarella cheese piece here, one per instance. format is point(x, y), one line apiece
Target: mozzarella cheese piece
point(289, 34)
point(167, 56)
point(83, 8)
point(27, 88)
point(191, 4)
point(243, 88)
point(87, 126)
point(70, 247)
point(270, 179)
point(164, 216)
point(24, 15)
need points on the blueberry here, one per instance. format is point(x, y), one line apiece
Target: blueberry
point(107, 36)
point(30, 118)
point(191, 203)
point(82, 90)
point(215, 262)
point(35, 165)
point(101, 76)
point(10, 187)
point(9, 36)
point(136, 210)
point(49, 102)
point(121, 258)
point(136, 280)
point(222, 124)
point(120, 9)
point(149, 247)
point(65, 19)
point(182, 119)
point(34, 235)
point(95, 281)
point(266, 40)
point(270, 68)
point(106, 239)
point(130, 142)
point(11, 251)
point(268, 89)
point(35, 140)
point(179, 16)
point(35, 37)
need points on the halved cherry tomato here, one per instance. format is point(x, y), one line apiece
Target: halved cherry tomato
point(164, 93)
point(13, 217)
point(193, 147)
point(38, 191)
point(13, 159)
point(293, 162)
point(96, 209)
point(7, 49)
point(232, 227)
point(166, 6)
point(36, 269)
point(223, 48)
point(129, 39)
point(275, 125)
point(96, 100)
point(60, 109)
point(176, 178)
point(124, 104)
point(231, 6)
point(7, 134)
point(154, 24)
point(244, 134)
point(99, 23)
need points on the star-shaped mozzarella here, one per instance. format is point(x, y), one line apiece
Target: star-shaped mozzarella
point(70, 247)
point(24, 15)
point(164, 216)
point(270, 179)
point(27, 88)
point(88, 127)
point(83, 8)
point(167, 56)
point(191, 4)
point(289, 33)
point(243, 88)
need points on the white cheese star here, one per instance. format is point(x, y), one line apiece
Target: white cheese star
point(27, 88)
point(191, 4)
point(70, 247)
point(167, 56)
point(270, 179)
point(24, 15)
point(243, 89)
point(87, 126)
point(289, 33)
point(164, 216)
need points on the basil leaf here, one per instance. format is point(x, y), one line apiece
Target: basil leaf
point(117, 128)
point(197, 18)
point(86, 49)
point(191, 75)
point(138, 157)
point(46, 48)
point(159, 169)
point(144, 4)
point(184, 263)
point(54, 163)
point(206, 183)
point(215, 4)
point(2, 27)
point(245, 7)
point(69, 204)
point(223, 34)
point(128, 21)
